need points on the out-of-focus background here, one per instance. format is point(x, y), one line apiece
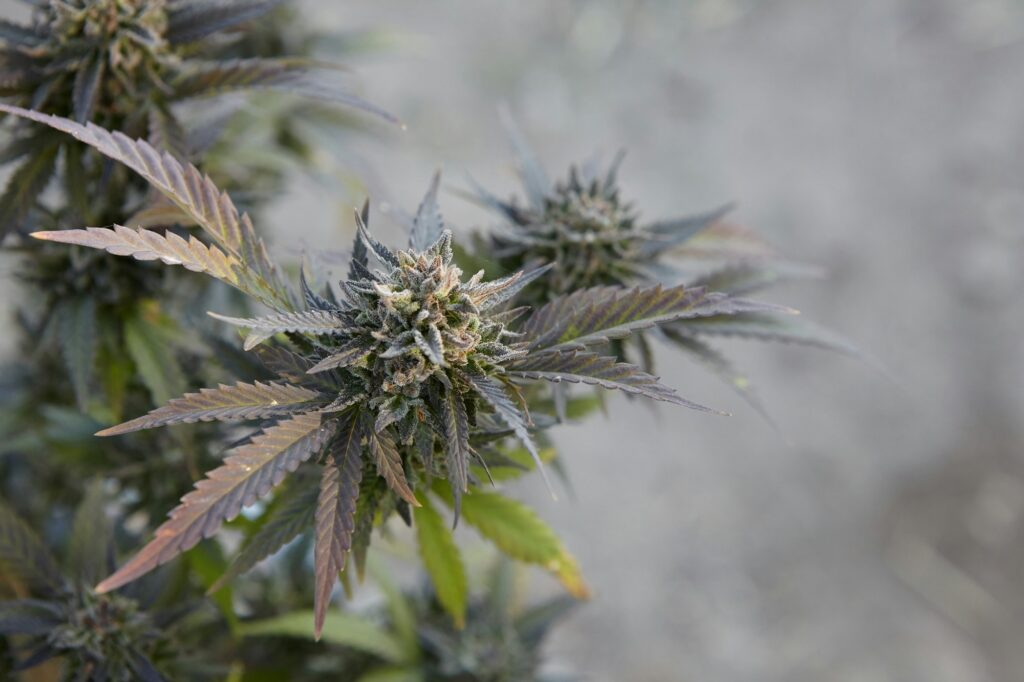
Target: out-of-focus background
point(883, 537)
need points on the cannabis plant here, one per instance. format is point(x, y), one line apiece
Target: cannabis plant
point(124, 64)
point(412, 638)
point(385, 384)
point(594, 237)
point(141, 633)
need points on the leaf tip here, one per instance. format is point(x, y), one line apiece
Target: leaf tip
point(45, 235)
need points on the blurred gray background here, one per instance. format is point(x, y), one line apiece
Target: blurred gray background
point(881, 139)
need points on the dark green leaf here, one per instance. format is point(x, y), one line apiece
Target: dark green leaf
point(78, 344)
point(25, 185)
point(23, 557)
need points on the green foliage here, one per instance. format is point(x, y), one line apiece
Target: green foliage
point(122, 637)
point(413, 638)
point(409, 354)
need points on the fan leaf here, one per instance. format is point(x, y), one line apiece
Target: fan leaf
point(595, 316)
point(227, 403)
point(25, 185)
point(246, 476)
point(23, 557)
point(389, 464)
point(335, 513)
point(147, 245)
point(518, 532)
point(597, 370)
point(78, 343)
point(191, 191)
point(454, 422)
point(285, 523)
point(318, 322)
point(443, 562)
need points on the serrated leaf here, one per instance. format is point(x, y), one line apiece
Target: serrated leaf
point(25, 185)
point(286, 523)
point(246, 476)
point(226, 403)
point(442, 560)
point(454, 423)
point(518, 532)
point(23, 557)
point(428, 225)
point(342, 629)
point(147, 245)
point(78, 343)
point(318, 322)
point(191, 191)
point(389, 464)
point(597, 370)
point(595, 316)
point(335, 513)
point(372, 492)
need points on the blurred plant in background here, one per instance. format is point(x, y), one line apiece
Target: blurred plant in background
point(594, 237)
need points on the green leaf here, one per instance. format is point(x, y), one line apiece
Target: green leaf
point(91, 545)
point(597, 370)
point(343, 629)
point(23, 558)
point(335, 512)
point(246, 476)
point(397, 674)
point(25, 185)
point(285, 523)
point(442, 560)
point(226, 403)
point(403, 619)
point(78, 344)
point(162, 377)
point(518, 532)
